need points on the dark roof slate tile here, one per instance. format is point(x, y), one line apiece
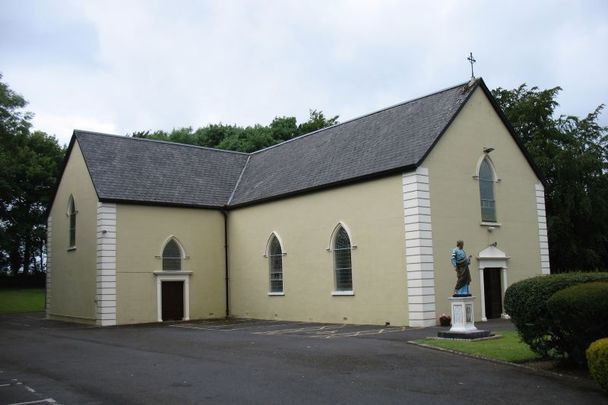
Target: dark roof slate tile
point(125, 169)
point(390, 139)
point(139, 170)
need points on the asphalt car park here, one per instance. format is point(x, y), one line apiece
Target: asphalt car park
point(246, 361)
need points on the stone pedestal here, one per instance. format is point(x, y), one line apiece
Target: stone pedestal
point(463, 320)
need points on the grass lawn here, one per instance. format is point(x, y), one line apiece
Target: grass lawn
point(21, 300)
point(507, 348)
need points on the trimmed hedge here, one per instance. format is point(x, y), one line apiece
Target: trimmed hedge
point(597, 359)
point(580, 316)
point(526, 303)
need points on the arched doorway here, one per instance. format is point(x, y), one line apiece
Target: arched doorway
point(492, 282)
point(172, 283)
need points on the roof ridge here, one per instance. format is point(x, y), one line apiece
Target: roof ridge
point(238, 181)
point(364, 116)
point(126, 137)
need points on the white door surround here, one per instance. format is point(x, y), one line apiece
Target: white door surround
point(172, 276)
point(492, 257)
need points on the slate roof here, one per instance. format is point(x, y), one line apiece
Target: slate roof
point(125, 169)
point(391, 140)
point(385, 141)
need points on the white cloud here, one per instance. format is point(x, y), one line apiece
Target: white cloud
point(159, 65)
point(62, 126)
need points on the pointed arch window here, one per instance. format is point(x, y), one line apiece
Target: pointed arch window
point(275, 260)
point(486, 191)
point(72, 222)
point(342, 260)
point(172, 256)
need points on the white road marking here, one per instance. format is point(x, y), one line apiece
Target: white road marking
point(15, 382)
point(317, 331)
point(299, 330)
point(47, 400)
point(368, 332)
point(228, 327)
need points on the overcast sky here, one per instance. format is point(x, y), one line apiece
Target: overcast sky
point(122, 66)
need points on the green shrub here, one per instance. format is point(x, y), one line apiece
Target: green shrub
point(526, 303)
point(597, 359)
point(580, 316)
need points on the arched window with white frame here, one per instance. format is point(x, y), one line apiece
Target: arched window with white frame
point(343, 271)
point(72, 222)
point(275, 264)
point(172, 256)
point(487, 179)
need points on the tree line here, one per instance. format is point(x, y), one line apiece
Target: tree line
point(570, 151)
point(243, 139)
point(29, 165)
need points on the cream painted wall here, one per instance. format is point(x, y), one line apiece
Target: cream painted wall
point(374, 213)
point(455, 204)
point(73, 288)
point(141, 234)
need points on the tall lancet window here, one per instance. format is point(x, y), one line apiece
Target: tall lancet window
point(72, 222)
point(275, 258)
point(486, 191)
point(172, 256)
point(342, 262)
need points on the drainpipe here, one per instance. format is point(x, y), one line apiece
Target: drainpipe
point(227, 279)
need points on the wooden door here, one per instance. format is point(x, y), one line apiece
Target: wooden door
point(172, 300)
point(493, 292)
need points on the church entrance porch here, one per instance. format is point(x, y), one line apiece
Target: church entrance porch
point(492, 282)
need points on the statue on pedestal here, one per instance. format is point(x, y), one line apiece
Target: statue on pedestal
point(462, 302)
point(461, 262)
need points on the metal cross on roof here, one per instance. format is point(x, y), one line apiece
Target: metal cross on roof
point(472, 60)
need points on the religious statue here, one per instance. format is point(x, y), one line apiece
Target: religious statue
point(461, 262)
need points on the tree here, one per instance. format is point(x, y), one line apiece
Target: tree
point(29, 166)
point(571, 153)
point(316, 121)
point(284, 128)
point(247, 139)
point(213, 135)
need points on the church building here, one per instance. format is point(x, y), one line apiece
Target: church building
point(354, 223)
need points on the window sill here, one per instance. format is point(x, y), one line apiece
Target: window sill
point(494, 224)
point(72, 249)
point(342, 293)
point(276, 294)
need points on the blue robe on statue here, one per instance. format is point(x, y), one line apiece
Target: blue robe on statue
point(461, 262)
